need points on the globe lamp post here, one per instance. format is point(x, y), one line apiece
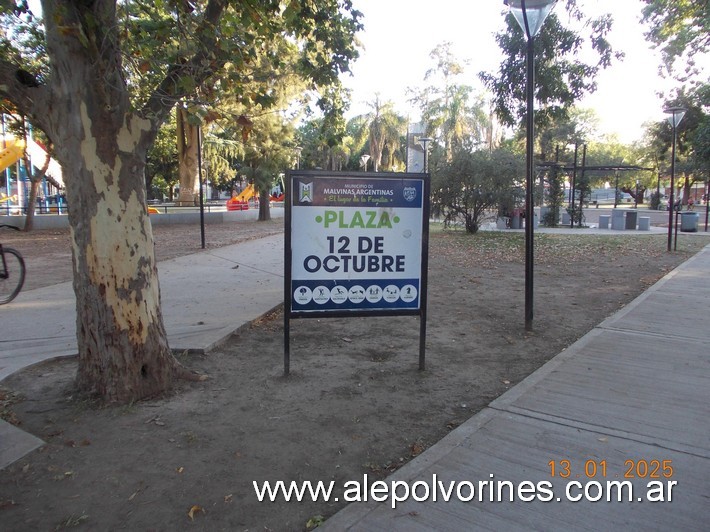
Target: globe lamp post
point(676, 115)
point(530, 14)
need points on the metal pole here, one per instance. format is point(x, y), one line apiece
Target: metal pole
point(671, 199)
point(199, 179)
point(529, 210)
point(707, 203)
point(574, 184)
point(582, 183)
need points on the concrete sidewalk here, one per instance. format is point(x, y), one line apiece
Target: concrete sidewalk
point(637, 387)
point(633, 391)
point(206, 296)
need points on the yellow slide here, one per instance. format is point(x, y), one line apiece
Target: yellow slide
point(245, 195)
point(11, 153)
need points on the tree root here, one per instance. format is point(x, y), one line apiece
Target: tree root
point(183, 373)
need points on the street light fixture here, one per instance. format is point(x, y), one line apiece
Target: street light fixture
point(298, 150)
point(530, 14)
point(676, 115)
point(424, 141)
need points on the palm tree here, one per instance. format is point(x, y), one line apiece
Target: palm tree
point(384, 130)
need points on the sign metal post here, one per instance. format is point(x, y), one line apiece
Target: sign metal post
point(356, 244)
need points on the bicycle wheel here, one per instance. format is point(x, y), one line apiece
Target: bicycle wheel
point(11, 283)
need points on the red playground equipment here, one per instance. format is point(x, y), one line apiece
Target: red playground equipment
point(240, 202)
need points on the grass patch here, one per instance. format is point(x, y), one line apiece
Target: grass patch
point(490, 247)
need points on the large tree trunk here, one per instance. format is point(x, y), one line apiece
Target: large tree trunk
point(35, 180)
point(187, 145)
point(123, 348)
point(264, 206)
point(31, 205)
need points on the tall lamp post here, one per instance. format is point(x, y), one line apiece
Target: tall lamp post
point(676, 115)
point(298, 150)
point(424, 141)
point(530, 14)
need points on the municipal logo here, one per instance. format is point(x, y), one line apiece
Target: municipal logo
point(305, 192)
point(410, 193)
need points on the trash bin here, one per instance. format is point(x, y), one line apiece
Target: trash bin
point(515, 222)
point(631, 220)
point(689, 222)
point(617, 219)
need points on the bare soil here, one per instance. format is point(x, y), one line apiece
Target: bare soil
point(354, 404)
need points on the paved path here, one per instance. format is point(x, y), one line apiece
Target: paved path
point(633, 390)
point(205, 298)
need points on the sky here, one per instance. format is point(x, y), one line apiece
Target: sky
point(400, 34)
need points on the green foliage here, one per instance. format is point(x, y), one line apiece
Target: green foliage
point(611, 152)
point(655, 203)
point(472, 184)
point(161, 172)
point(681, 29)
point(384, 130)
point(22, 36)
point(165, 52)
point(692, 139)
point(555, 198)
point(561, 76)
point(576, 214)
point(453, 116)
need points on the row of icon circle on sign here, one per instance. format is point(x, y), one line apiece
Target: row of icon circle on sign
point(355, 294)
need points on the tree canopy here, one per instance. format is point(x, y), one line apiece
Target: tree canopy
point(680, 29)
point(562, 77)
point(75, 76)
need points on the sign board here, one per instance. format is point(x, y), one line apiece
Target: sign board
point(356, 244)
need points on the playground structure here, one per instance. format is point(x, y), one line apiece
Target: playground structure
point(15, 191)
point(240, 202)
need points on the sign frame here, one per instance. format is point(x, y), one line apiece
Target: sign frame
point(310, 227)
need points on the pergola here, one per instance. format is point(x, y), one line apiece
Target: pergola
point(574, 167)
point(599, 167)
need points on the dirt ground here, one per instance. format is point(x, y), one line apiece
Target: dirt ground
point(354, 404)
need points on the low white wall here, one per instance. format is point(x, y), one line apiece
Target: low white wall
point(41, 221)
point(61, 221)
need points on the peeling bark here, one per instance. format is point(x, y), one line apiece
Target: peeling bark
point(187, 145)
point(84, 108)
point(123, 349)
